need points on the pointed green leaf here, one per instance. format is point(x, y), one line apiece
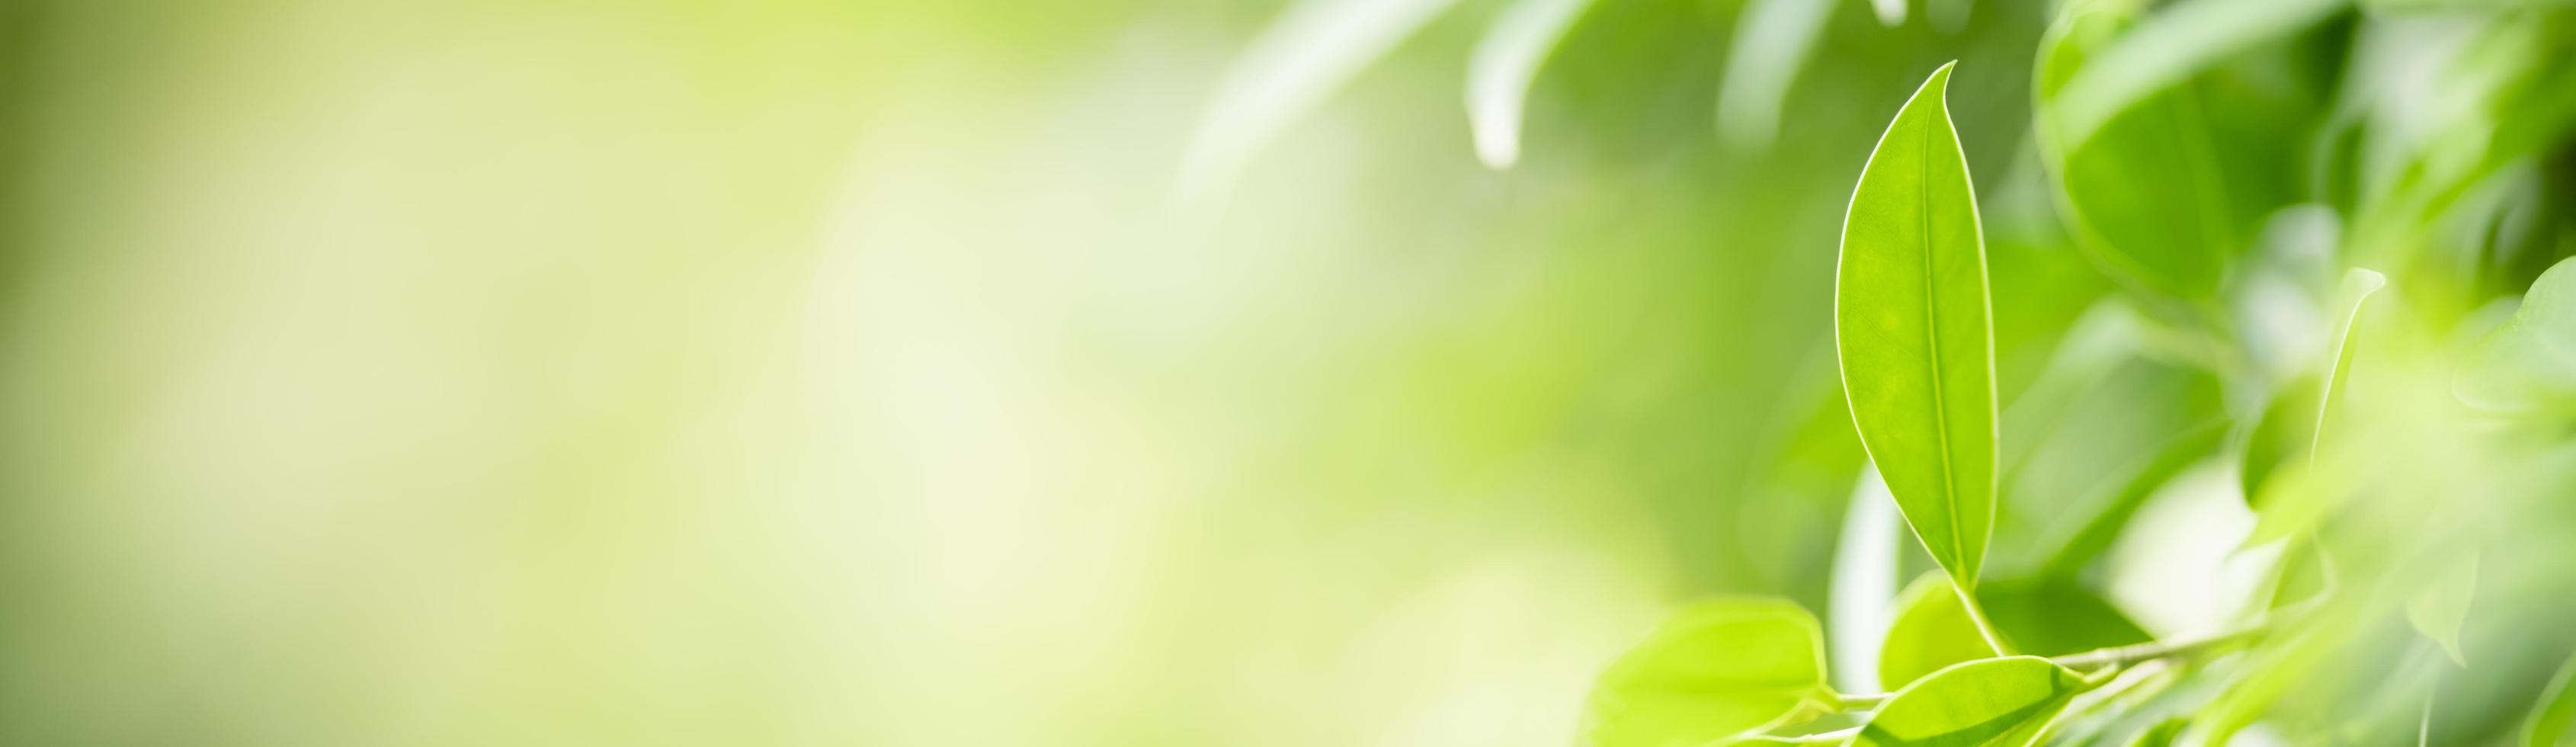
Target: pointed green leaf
point(2005, 701)
point(2547, 726)
point(1500, 71)
point(1910, 324)
point(1712, 670)
point(2439, 610)
point(1932, 630)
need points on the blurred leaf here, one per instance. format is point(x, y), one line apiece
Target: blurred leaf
point(2160, 193)
point(2358, 285)
point(2438, 610)
point(2287, 427)
point(2003, 701)
point(1504, 64)
point(1772, 41)
point(1911, 326)
point(1309, 51)
point(1713, 669)
point(2180, 39)
point(2531, 362)
point(2547, 724)
point(2503, 97)
point(2055, 616)
point(1932, 630)
point(2128, 488)
point(2162, 735)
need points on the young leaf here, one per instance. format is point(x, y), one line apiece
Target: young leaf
point(1910, 324)
point(2547, 726)
point(2439, 610)
point(1932, 631)
point(1500, 71)
point(2005, 701)
point(1712, 670)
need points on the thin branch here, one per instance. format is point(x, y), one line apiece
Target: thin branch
point(2126, 655)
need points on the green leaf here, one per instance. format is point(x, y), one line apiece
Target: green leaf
point(2358, 285)
point(2162, 735)
point(2170, 188)
point(2180, 39)
point(1713, 669)
point(2286, 429)
point(2547, 725)
point(2531, 362)
point(1500, 71)
point(1932, 630)
point(2440, 609)
point(1911, 326)
point(2055, 616)
point(2005, 701)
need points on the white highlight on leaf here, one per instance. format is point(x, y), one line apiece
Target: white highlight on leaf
point(1864, 583)
point(1890, 12)
point(2176, 569)
point(1311, 50)
point(1504, 64)
point(1772, 41)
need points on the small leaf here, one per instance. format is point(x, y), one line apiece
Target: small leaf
point(1500, 71)
point(1911, 327)
point(2005, 701)
point(2547, 725)
point(2439, 610)
point(1714, 669)
point(1932, 630)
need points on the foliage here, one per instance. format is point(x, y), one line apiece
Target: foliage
point(2249, 177)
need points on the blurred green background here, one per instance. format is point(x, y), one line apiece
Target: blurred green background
point(814, 372)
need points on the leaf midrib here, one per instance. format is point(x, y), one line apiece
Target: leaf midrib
point(1932, 353)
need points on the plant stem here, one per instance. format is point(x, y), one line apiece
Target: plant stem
point(2126, 655)
point(1977, 614)
point(1831, 737)
point(2109, 658)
